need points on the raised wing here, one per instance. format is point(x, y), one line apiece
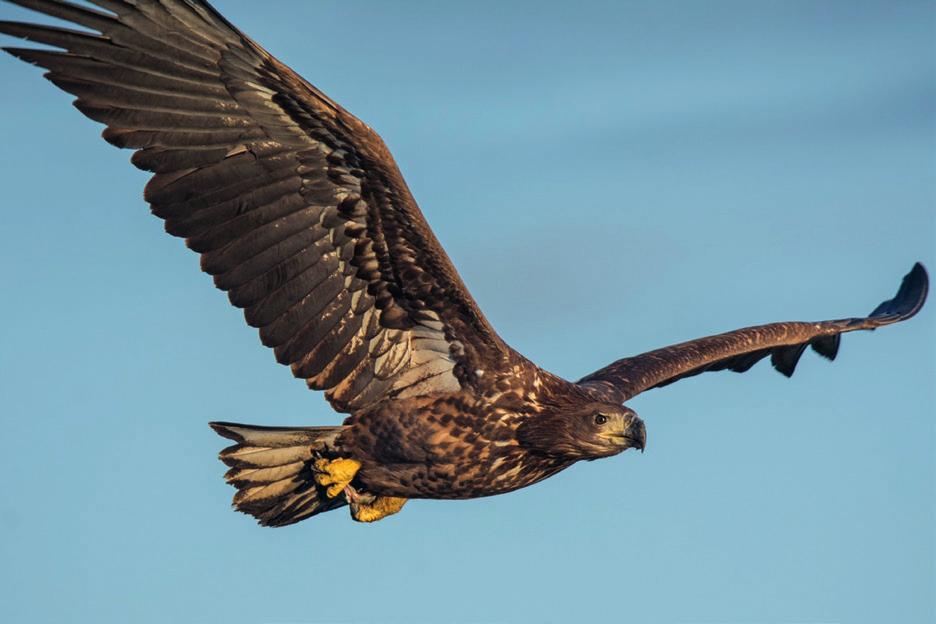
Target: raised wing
point(297, 207)
point(741, 349)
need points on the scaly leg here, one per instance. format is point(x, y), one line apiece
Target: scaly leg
point(380, 508)
point(335, 474)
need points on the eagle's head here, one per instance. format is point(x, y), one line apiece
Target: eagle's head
point(588, 431)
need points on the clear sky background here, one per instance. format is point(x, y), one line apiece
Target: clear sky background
point(609, 177)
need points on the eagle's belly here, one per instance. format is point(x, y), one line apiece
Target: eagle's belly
point(463, 477)
point(442, 447)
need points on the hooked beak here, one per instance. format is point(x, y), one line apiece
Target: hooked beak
point(637, 434)
point(634, 435)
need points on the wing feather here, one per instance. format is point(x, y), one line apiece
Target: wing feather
point(296, 206)
point(741, 349)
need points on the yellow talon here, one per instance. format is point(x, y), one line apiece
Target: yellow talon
point(382, 507)
point(336, 474)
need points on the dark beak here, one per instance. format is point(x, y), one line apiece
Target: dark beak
point(637, 434)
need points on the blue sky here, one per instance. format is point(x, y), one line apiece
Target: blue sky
point(609, 178)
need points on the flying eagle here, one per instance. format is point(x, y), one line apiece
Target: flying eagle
point(301, 215)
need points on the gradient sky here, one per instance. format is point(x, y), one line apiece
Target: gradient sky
point(609, 177)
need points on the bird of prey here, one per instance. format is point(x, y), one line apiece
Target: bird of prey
point(301, 215)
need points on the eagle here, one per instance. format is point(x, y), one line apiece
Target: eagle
point(302, 217)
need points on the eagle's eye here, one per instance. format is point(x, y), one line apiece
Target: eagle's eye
point(600, 419)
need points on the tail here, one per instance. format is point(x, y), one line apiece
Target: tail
point(271, 467)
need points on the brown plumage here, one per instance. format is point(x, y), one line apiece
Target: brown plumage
point(301, 215)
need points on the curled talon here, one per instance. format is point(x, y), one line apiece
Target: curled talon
point(382, 507)
point(335, 475)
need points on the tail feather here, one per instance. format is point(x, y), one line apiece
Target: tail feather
point(271, 467)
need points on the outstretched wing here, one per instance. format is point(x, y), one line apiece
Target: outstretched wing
point(741, 349)
point(297, 207)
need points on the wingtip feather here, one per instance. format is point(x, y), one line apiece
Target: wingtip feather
point(909, 299)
